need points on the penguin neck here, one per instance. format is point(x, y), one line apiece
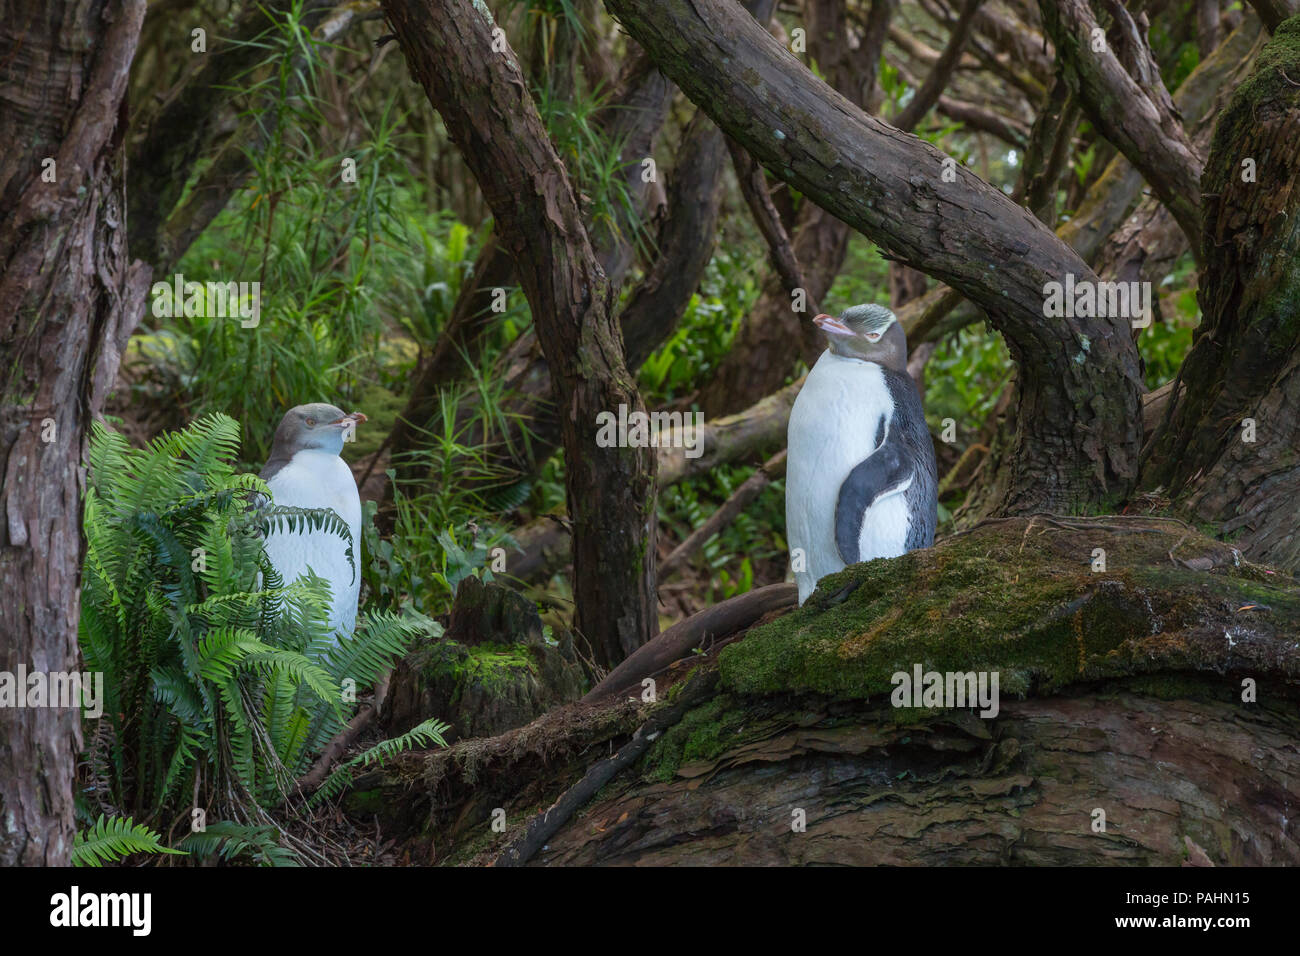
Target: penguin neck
point(312, 474)
point(830, 355)
point(313, 457)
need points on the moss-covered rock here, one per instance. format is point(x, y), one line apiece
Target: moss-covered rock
point(1020, 597)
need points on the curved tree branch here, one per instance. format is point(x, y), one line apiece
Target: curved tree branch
point(1131, 107)
point(1080, 426)
point(928, 95)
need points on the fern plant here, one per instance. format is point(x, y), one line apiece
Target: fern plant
point(222, 681)
point(109, 840)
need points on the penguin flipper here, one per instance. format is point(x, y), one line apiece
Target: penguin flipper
point(884, 473)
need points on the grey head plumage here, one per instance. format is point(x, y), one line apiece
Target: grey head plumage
point(870, 332)
point(313, 426)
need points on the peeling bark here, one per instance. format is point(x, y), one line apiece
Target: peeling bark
point(69, 299)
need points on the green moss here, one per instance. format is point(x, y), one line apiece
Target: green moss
point(702, 734)
point(1014, 598)
point(493, 665)
point(1269, 85)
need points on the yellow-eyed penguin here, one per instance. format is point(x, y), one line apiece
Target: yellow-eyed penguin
point(305, 471)
point(860, 472)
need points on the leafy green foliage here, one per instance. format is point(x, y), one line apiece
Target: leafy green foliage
point(1165, 343)
point(708, 326)
point(964, 379)
point(222, 681)
point(231, 841)
point(753, 538)
point(327, 229)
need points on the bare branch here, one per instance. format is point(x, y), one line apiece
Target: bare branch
point(1130, 107)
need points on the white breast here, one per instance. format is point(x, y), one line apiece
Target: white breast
point(319, 479)
point(832, 429)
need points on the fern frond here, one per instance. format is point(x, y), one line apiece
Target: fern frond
point(109, 840)
point(426, 734)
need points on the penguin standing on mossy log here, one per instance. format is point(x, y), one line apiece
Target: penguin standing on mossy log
point(860, 479)
point(305, 471)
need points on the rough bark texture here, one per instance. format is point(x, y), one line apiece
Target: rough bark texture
point(1108, 238)
point(490, 116)
point(1023, 44)
point(1080, 410)
point(68, 302)
point(1048, 149)
point(1120, 690)
point(635, 115)
point(1111, 197)
point(1244, 362)
point(683, 247)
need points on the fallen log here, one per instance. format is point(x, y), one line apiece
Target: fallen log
point(1143, 709)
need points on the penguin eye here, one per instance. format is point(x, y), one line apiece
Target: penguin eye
point(873, 336)
point(311, 421)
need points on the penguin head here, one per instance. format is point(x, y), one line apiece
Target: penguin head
point(869, 333)
point(313, 427)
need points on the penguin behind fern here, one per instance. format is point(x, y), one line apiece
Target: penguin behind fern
point(861, 481)
point(305, 471)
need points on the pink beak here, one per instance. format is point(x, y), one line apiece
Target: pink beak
point(357, 417)
point(831, 325)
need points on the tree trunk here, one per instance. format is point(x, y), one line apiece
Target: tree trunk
point(490, 116)
point(1274, 12)
point(68, 302)
point(1228, 448)
point(1160, 691)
